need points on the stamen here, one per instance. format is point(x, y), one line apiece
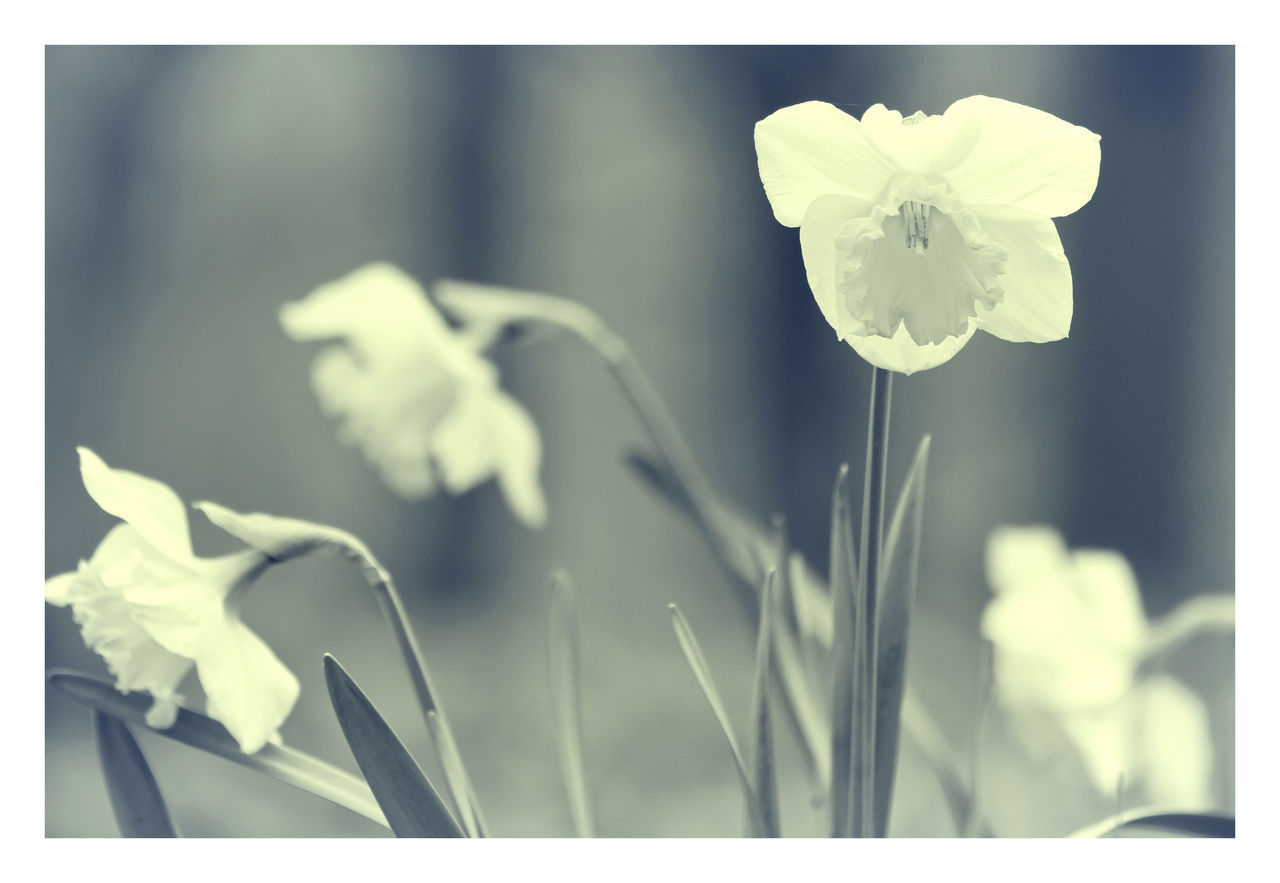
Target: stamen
point(915, 219)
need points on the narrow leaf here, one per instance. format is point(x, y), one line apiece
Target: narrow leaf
point(204, 733)
point(805, 713)
point(565, 667)
point(920, 726)
point(765, 776)
point(1171, 822)
point(814, 603)
point(698, 663)
point(843, 655)
point(797, 665)
point(451, 761)
point(411, 804)
point(135, 797)
point(897, 592)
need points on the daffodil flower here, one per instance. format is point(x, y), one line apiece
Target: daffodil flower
point(1069, 636)
point(415, 395)
point(917, 231)
point(154, 610)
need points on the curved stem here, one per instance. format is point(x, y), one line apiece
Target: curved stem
point(661, 427)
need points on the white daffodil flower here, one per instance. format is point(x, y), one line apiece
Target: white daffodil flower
point(153, 611)
point(917, 231)
point(414, 395)
point(1069, 633)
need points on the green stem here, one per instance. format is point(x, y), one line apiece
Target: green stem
point(662, 429)
point(870, 550)
point(393, 608)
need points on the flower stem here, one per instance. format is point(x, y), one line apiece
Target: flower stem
point(393, 608)
point(1204, 614)
point(657, 421)
point(871, 546)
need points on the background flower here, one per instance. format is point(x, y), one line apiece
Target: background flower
point(153, 610)
point(1069, 633)
point(917, 231)
point(415, 395)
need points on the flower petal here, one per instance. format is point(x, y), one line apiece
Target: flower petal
point(901, 353)
point(814, 149)
point(1108, 589)
point(132, 655)
point(175, 610)
point(149, 505)
point(1021, 556)
point(377, 302)
point(1103, 739)
point(822, 221)
point(920, 143)
point(1025, 158)
point(55, 589)
point(519, 460)
point(249, 689)
point(1037, 303)
point(1174, 745)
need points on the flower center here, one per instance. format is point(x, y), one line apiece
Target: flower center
point(915, 218)
point(925, 267)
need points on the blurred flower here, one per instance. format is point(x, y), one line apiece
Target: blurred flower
point(917, 231)
point(1069, 634)
point(415, 395)
point(153, 610)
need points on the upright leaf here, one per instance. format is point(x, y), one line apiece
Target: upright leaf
point(565, 667)
point(698, 663)
point(191, 728)
point(752, 555)
point(411, 804)
point(765, 777)
point(844, 672)
point(897, 594)
point(135, 797)
point(813, 603)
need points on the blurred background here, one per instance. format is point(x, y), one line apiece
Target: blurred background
point(191, 191)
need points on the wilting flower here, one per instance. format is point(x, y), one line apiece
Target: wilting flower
point(1069, 634)
point(918, 231)
point(153, 610)
point(415, 395)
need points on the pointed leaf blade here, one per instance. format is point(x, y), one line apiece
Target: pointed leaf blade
point(806, 714)
point(698, 663)
point(198, 731)
point(135, 797)
point(764, 774)
point(565, 667)
point(411, 804)
point(897, 593)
